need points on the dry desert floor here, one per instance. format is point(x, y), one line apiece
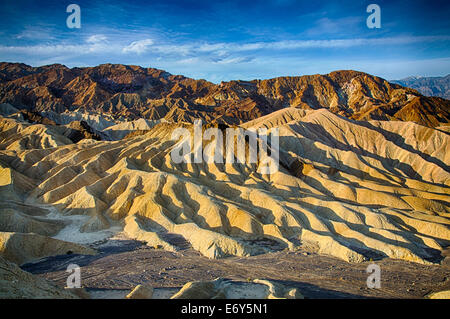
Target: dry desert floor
point(124, 263)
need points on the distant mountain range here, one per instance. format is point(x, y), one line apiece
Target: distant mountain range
point(429, 86)
point(134, 92)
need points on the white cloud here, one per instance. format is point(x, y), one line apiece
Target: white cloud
point(63, 49)
point(223, 49)
point(97, 38)
point(36, 33)
point(234, 60)
point(335, 26)
point(98, 43)
point(333, 43)
point(207, 47)
point(189, 61)
point(138, 47)
point(219, 60)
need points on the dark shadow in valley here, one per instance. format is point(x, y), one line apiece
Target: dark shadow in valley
point(60, 262)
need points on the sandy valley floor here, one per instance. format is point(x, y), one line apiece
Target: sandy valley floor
point(122, 264)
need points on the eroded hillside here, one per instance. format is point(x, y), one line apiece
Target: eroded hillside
point(352, 189)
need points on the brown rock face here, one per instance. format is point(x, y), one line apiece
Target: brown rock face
point(136, 92)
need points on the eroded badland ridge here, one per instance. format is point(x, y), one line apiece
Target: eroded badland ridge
point(85, 154)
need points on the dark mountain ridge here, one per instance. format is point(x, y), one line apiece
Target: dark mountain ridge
point(136, 92)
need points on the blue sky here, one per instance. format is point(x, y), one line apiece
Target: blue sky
point(225, 40)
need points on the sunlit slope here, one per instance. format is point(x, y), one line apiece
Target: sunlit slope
point(351, 189)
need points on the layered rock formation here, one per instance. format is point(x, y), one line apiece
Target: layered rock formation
point(352, 189)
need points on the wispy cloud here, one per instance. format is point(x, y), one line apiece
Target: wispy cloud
point(97, 38)
point(36, 33)
point(219, 61)
point(57, 49)
point(326, 25)
point(138, 47)
point(224, 48)
point(234, 60)
point(311, 44)
point(100, 43)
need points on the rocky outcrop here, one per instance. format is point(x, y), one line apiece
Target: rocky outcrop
point(18, 284)
point(222, 288)
point(440, 295)
point(21, 248)
point(141, 292)
point(79, 130)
